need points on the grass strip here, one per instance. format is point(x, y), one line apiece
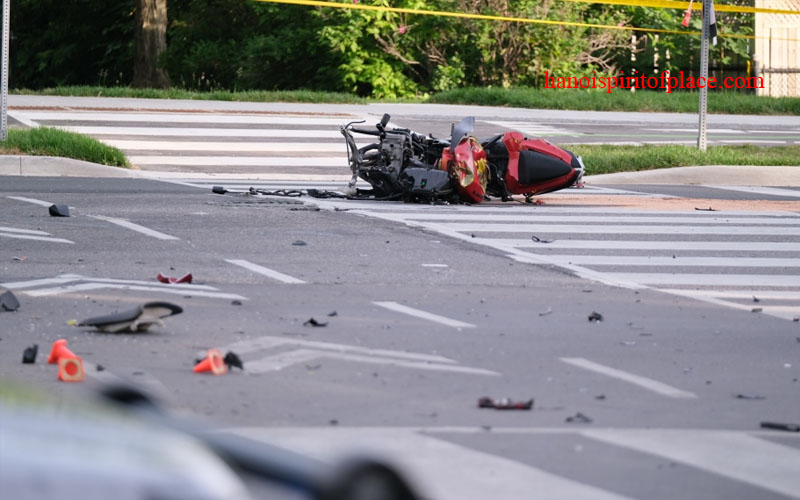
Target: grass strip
point(306, 96)
point(45, 141)
point(645, 101)
point(606, 159)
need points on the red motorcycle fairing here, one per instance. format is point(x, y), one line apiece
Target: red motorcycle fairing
point(469, 167)
point(536, 166)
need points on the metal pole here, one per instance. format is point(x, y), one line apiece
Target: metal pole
point(4, 72)
point(701, 136)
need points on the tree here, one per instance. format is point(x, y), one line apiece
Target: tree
point(151, 41)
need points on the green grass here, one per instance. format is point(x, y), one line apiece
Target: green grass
point(44, 141)
point(604, 159)
point(308, 96)
point(648, 101)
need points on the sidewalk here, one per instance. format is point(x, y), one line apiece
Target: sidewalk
point(48, 166)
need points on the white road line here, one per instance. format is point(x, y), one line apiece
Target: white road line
point(69, 278)
point(776, 280)
point(171, 117)
point(204, 132)
point(644, 382)
point(23, 231)
point(230, 147)
point(717, 246)
point(434, 466)
point(710, 131)
point(135, 227)
point(270, 273)
point(793, 193)
point(677, 261)
point(435, 265)
point(84, 287)
point(740, 294)
point(610, 229)
point(783, 312)
point(286, 359)
point(266, 342)
point(751, 141)
point(39, 238)
point(30, 200)
point(265, 161)
point(734, 455)
point(23, 119)
point(394, 306)
point(604, 219)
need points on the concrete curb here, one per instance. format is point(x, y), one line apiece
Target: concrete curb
point(49, 166)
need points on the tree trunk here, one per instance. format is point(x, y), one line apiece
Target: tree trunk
point(151, 41)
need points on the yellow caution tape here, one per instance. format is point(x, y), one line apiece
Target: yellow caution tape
point(486, 17)
point(698, 5)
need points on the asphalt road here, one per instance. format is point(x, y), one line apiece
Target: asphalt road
point(427, 310)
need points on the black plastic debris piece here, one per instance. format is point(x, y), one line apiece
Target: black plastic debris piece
point(756, 299)
point(578, 418)
point(138, 319)
point(504, 404)
point(757, 309)
point(218, 190)
point(58, 210)
point(548, 311)
point(780, 426)
point(299, 243)
point(232, 359)
point(600, 397)
point(539, 240)
point(709, 209)
point(332, 314)
point(236, 302)
point(595, 317)
point(100, 368)
point(29, 354)
point(314, 323)
point(8, 301)
point(749, 397)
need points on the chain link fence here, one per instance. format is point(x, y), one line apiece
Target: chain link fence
point(780, 82)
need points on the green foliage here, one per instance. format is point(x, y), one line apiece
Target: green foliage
point(44, 141)
point(608, 159)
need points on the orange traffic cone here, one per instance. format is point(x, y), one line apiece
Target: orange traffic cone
point(70, 369)
point(213, 363)
point(59, 351)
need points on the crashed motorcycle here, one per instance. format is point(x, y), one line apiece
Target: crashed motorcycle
point(404, 165)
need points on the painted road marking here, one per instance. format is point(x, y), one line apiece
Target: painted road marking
point(644, 382)
point(241, 147)
point(23, 231)
point(734, 455)
point(467, 227)
point(39, 238)
point(434, 466)
point(793, 193)
point(262, 161)
point(718, 246)
point(270, 273)
point(205, 132)
point(172, 117)
point(711, 279)
point(603, 219)
point(677, 261)
point(307, 351)
point(135, 227)
point(30, 200)
point(434, 265)
point(417, 313)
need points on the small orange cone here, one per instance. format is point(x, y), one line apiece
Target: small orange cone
point(213, 363)
point(59, 351)
point(70, 369)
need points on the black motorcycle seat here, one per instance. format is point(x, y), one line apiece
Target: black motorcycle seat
point(536, 167)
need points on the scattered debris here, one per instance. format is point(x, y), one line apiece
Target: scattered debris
point(232, 360)
point(504, 404)
point(29, 354)
point(314, 323)
point(548, 311)
point(213, 363)
point(138, 319)
point(578, 418)
point(628, 343)
point(539, 240)
point(749, 398)
point(8, 301)
point(218, 190)
point(709, 209)
point(72, 322)
point(58, 210)
point(332, 314)
point(756, 299)
point(236, 302)
point(21, 258)
point(757, 309)
point(781, 427)
point(186, 278)
point(333, 421)
point(313, 368)
point(595, 317)
point(100, 368)
point(299, 243)
point(600, 397)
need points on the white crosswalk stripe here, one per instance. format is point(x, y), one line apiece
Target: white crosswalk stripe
point(279, 143)
point(533, 129)
point(434, 460)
